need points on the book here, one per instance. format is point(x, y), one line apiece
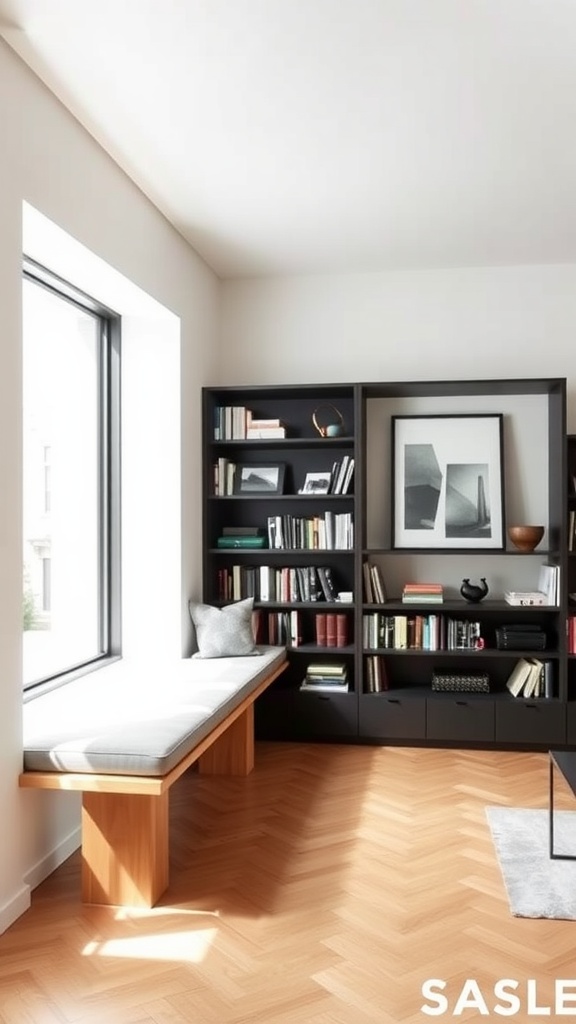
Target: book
point(320, 626)
point(326, 582)
point(378, 587)
point(548, 680)
point(342, 638)
point(548, 582)
point(265, 433)
point(327, 668)
point(531, 686)
point(368, 591)
point(242, 542)
point(326, 686)
point(331, 636)
point(242, 531)
point(518, 676)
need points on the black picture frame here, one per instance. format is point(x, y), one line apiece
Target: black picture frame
point(448, 482)
point(266, 478)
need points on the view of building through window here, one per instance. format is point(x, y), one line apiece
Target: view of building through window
point(62, 475)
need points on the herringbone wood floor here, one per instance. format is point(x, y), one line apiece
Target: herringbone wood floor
point(323, 889)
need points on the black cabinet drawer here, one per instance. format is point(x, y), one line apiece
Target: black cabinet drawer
point(540, 722)
point(288, 714)
point(392, 717)
point(460, 718)
point(325, 715)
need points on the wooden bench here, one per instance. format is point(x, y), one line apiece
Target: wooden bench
point(125, 848)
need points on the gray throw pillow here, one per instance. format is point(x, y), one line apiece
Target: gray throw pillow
point(223, 632)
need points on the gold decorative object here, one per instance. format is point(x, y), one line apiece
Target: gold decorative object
point(328, 421)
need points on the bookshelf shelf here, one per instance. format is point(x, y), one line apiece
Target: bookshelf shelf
point(538, 488)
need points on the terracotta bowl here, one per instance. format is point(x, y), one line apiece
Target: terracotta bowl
point(525, 538)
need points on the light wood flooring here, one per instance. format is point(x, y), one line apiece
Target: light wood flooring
point(325, 888)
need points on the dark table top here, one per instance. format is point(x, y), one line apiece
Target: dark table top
point(565, 761)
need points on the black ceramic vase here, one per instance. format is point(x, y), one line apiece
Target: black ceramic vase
point(474, 592)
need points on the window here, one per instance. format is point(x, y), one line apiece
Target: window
point(71, 351)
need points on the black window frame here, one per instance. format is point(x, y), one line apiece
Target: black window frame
point(109, 470)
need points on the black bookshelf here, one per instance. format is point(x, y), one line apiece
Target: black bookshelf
point(389, 696)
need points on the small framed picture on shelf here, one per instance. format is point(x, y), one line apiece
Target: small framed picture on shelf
point(267, 478)
point(448, 482)
point(316, 483)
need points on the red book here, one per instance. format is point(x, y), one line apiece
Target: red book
point(321, 629)
point(341, 629)
point(331, 638)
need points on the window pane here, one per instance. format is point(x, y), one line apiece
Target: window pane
point(62, 625)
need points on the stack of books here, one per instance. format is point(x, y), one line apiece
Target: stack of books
point(263, 429)
point(326, 677)
point(423, 593)
point(525, 598)
point(531, 678)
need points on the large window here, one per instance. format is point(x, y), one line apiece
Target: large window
point(71, 390)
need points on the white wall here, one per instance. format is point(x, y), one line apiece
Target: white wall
point(49, 161)
point(442, 324)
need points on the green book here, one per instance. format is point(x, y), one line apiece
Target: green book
point(242, 542)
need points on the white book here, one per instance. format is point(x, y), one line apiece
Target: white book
point(264, 582)
point(548, 580)
point(518, 676)
point(264, 433)
point(532, 683)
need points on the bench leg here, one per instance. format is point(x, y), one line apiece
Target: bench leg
point(124, 848)
point(233, 752)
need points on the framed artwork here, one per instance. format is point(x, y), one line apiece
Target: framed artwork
point(317, 483)
point(265, 479)
point(448, 482)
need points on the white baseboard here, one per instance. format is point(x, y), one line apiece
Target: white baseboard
point(21, 901)
point(17, 906)
point(39, 871)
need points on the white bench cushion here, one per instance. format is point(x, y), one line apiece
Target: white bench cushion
point(132, 719)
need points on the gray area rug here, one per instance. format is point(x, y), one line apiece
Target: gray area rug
point(536, 886)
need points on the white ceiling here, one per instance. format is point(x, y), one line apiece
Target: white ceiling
point(287, 136)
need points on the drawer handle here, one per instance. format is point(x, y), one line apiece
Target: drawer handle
point(462, 703)
point(393, 700)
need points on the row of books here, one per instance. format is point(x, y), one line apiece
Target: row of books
point(341, 477)
point(328, 532)
point(531, 677)
point(293, 629)
point(431, 632)
point(326, 677)
point(332, 629)
point(308, 583)
point(223, 477)
point(374, 588)
point(237, 423)
point(376, 677)
point(277, 628)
